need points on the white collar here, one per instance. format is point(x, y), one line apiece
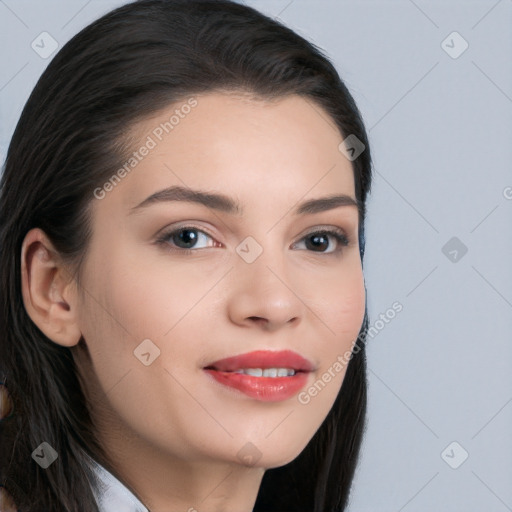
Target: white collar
point(113, 495)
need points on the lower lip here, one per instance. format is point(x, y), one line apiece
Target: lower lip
point(266, 389)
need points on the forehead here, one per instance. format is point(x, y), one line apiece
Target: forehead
point(279, 150)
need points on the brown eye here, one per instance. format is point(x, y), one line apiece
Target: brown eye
point(186, 236)
point(320, 240)
point(185, 239)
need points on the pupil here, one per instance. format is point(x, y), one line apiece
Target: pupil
point(319, 241)
point(187, 236)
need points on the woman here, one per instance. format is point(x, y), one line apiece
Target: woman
point(182, 219)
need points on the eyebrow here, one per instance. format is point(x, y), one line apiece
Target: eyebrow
point(229, 205)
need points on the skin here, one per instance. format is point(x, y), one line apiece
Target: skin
point(171, 432)
point(6, 502)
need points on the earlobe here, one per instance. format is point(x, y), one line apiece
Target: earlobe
point(49, 291)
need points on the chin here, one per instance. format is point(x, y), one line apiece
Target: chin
point(266, 455)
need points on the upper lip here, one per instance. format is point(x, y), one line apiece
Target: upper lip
point(263, 359)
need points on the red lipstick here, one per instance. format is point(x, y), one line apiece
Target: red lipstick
point(264, 375)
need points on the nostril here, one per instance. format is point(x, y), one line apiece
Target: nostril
point(258, 320)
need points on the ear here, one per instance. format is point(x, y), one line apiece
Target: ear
point(49, 290)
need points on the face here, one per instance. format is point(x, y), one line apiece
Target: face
point(171, 287)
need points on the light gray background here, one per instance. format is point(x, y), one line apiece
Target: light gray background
point(441, 134)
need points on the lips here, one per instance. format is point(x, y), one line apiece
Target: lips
point(263, 359)
point(229, 372)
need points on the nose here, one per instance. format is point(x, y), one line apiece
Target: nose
point(263, 294)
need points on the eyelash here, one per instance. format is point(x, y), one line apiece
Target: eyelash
point(337, 233)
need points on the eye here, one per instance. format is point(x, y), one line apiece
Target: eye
point(185, 239)
point(319, 239)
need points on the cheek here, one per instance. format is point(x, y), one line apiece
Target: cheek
point(147, 301)
point(348, 317)
point(342, 312)
point(130, 302)
point(343, 306)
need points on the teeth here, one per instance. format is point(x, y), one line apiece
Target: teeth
point(267, 372)
point(254, 372)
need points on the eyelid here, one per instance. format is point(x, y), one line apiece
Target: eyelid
point(165, 232)
point(325, 227)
